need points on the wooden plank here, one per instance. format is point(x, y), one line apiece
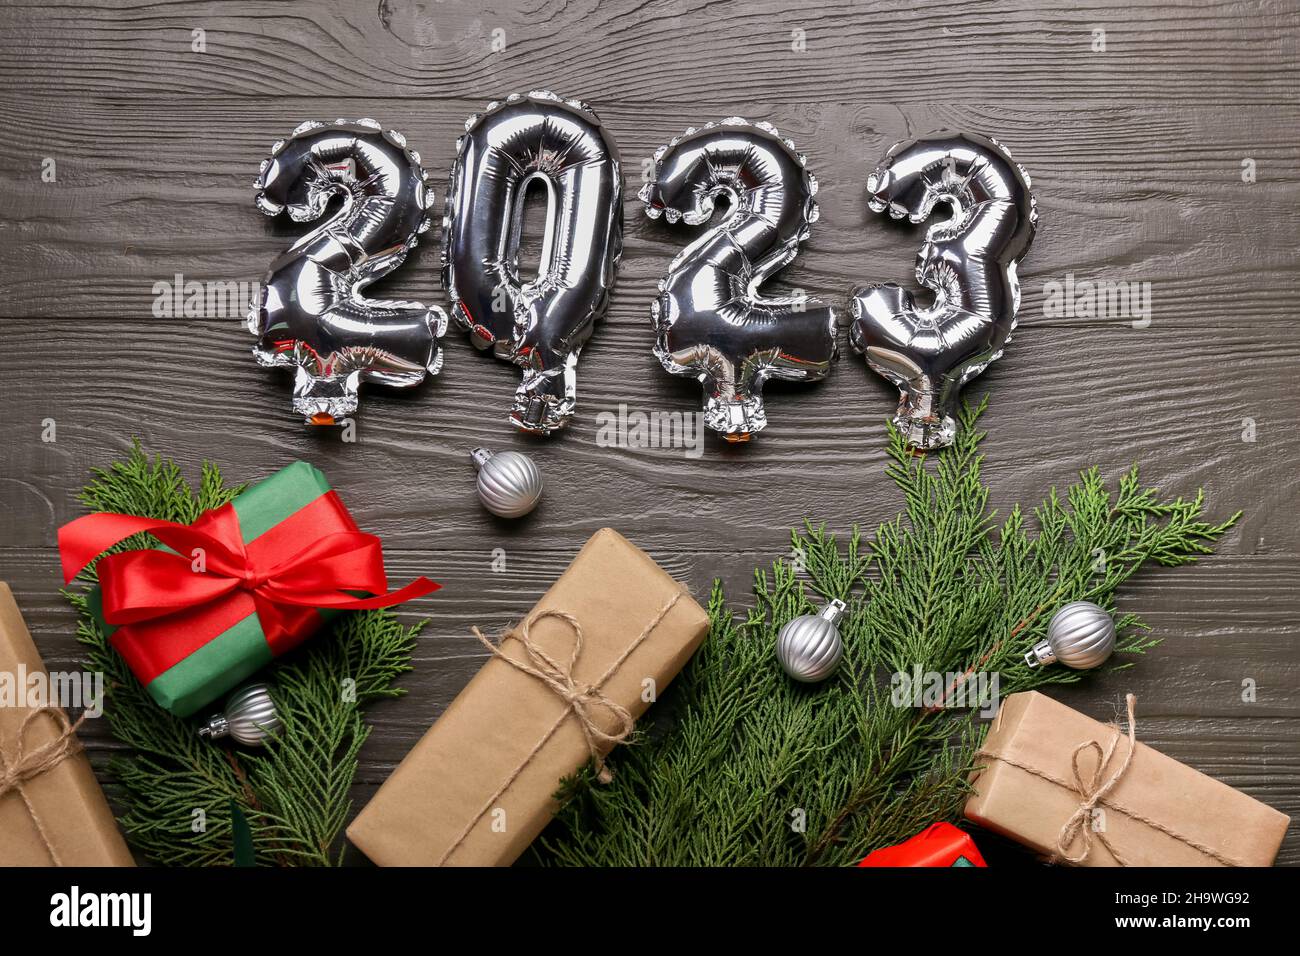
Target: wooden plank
point(678, 51)
point(1137, 194)
point(195, 394)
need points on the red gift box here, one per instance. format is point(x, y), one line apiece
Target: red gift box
point(241, 585)
point(940, 844)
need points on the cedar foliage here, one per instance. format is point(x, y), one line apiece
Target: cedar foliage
point(294, 792)
point(740, 766)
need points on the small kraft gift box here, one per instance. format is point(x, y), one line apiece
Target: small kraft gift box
point(52, 812)
point(1091, 794)
point(561, 689)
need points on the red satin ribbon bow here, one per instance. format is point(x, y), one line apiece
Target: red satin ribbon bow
point(212, 562)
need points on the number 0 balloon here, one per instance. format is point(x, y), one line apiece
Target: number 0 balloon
point(968, 261)
point(539, 323)
point(311, 315)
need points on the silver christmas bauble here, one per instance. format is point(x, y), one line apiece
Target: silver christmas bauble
point(509, 484)
point(809, 647)
point(1081, 636)
point(249, 717)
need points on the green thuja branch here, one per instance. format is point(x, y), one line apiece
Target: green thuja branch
point(177, 790)
point(738, 765)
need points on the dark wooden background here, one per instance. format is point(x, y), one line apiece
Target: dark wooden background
point(1136, 155)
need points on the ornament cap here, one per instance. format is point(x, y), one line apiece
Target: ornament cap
point(216, 728)
point(480, 457)
point(1040, 654)
point(833, 611)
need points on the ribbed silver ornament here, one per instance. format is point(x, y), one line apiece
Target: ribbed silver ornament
point(809, 647)
point(249, 717)
point(509, 484)
point(1081, 636)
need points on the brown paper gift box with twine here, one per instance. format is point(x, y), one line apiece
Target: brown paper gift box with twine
point(562, 687)
point(52, 812)
point(1090, 794)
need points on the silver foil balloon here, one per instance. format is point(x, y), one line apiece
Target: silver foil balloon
point(311, 315)
point(1081, 635)
point(968, 261)
point(249, 718)
point(509, 483)
point(711, 322)
point(539, 323)
point(809, 647)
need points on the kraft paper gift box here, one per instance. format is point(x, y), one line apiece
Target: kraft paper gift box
point(479, 786)
point(1158, 813)
point(56, 815)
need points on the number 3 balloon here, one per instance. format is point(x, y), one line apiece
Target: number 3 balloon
point(311, 315)
point(540, 324)
point(968, 261)
point(710, 320)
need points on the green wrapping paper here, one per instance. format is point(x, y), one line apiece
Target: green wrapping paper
point(189, 659)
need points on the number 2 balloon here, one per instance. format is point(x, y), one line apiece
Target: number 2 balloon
point(539, 323)
point(311, 315)
point(968, 261)
point(710, 320)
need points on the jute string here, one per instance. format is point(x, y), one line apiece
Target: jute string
point(24, 766)
point(580, 700)
point(1094, 791)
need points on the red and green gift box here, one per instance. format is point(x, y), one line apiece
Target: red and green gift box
point(240, 586)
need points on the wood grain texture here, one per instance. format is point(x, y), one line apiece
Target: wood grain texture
point(666, 53)
point(1136, 156)
point(1135, 193)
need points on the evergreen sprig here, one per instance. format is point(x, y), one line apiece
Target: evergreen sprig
point(738, 765)
point(178, 791)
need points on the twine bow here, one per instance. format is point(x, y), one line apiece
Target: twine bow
point(24, 766)
point(580, 700)
point(1093, 792)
